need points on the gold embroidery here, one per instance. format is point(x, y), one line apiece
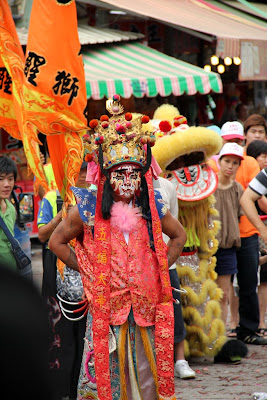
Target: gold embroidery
point(101, 301)
point(102, 235)
point(102, 279)
point(102, 257)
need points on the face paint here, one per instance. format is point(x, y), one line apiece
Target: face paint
point(125, 181)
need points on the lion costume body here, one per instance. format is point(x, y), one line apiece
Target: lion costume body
point(181, 153)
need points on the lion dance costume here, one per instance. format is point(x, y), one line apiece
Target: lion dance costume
point(182, 152)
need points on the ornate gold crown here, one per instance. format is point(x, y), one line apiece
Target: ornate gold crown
point(120, 136)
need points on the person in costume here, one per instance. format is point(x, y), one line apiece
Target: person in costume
point(181, 152)
point(182, 369)
point(128, 352)
point(63, 293)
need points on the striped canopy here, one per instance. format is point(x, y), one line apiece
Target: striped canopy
point(135, 69)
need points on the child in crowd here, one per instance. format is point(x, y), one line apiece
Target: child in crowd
point(228, 196)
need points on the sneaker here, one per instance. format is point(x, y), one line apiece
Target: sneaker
point(255, 339)
point(183, 371)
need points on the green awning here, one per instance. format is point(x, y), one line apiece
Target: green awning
point(134, 69)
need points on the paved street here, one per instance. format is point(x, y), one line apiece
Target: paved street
point(213, 381)
point(225, 382)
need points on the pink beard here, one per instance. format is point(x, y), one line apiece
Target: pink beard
point(124, 217)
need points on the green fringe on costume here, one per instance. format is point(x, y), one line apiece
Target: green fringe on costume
point(201, 307)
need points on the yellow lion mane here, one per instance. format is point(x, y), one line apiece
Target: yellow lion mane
point(166, 112)
point(195, 138)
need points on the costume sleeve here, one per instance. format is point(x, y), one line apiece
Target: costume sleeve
point(161, 206)
point(45, 214)
point(86, 202)
point(259, 183)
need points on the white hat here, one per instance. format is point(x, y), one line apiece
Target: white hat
point(232, 130)
point(232, 149)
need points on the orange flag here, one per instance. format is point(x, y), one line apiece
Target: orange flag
point(54, 87)
point(11, 86)
point(8, 37)
point(7, 113)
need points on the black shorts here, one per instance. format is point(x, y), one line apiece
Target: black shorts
point(226, 261)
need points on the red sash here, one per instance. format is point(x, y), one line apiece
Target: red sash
point(101, 297)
